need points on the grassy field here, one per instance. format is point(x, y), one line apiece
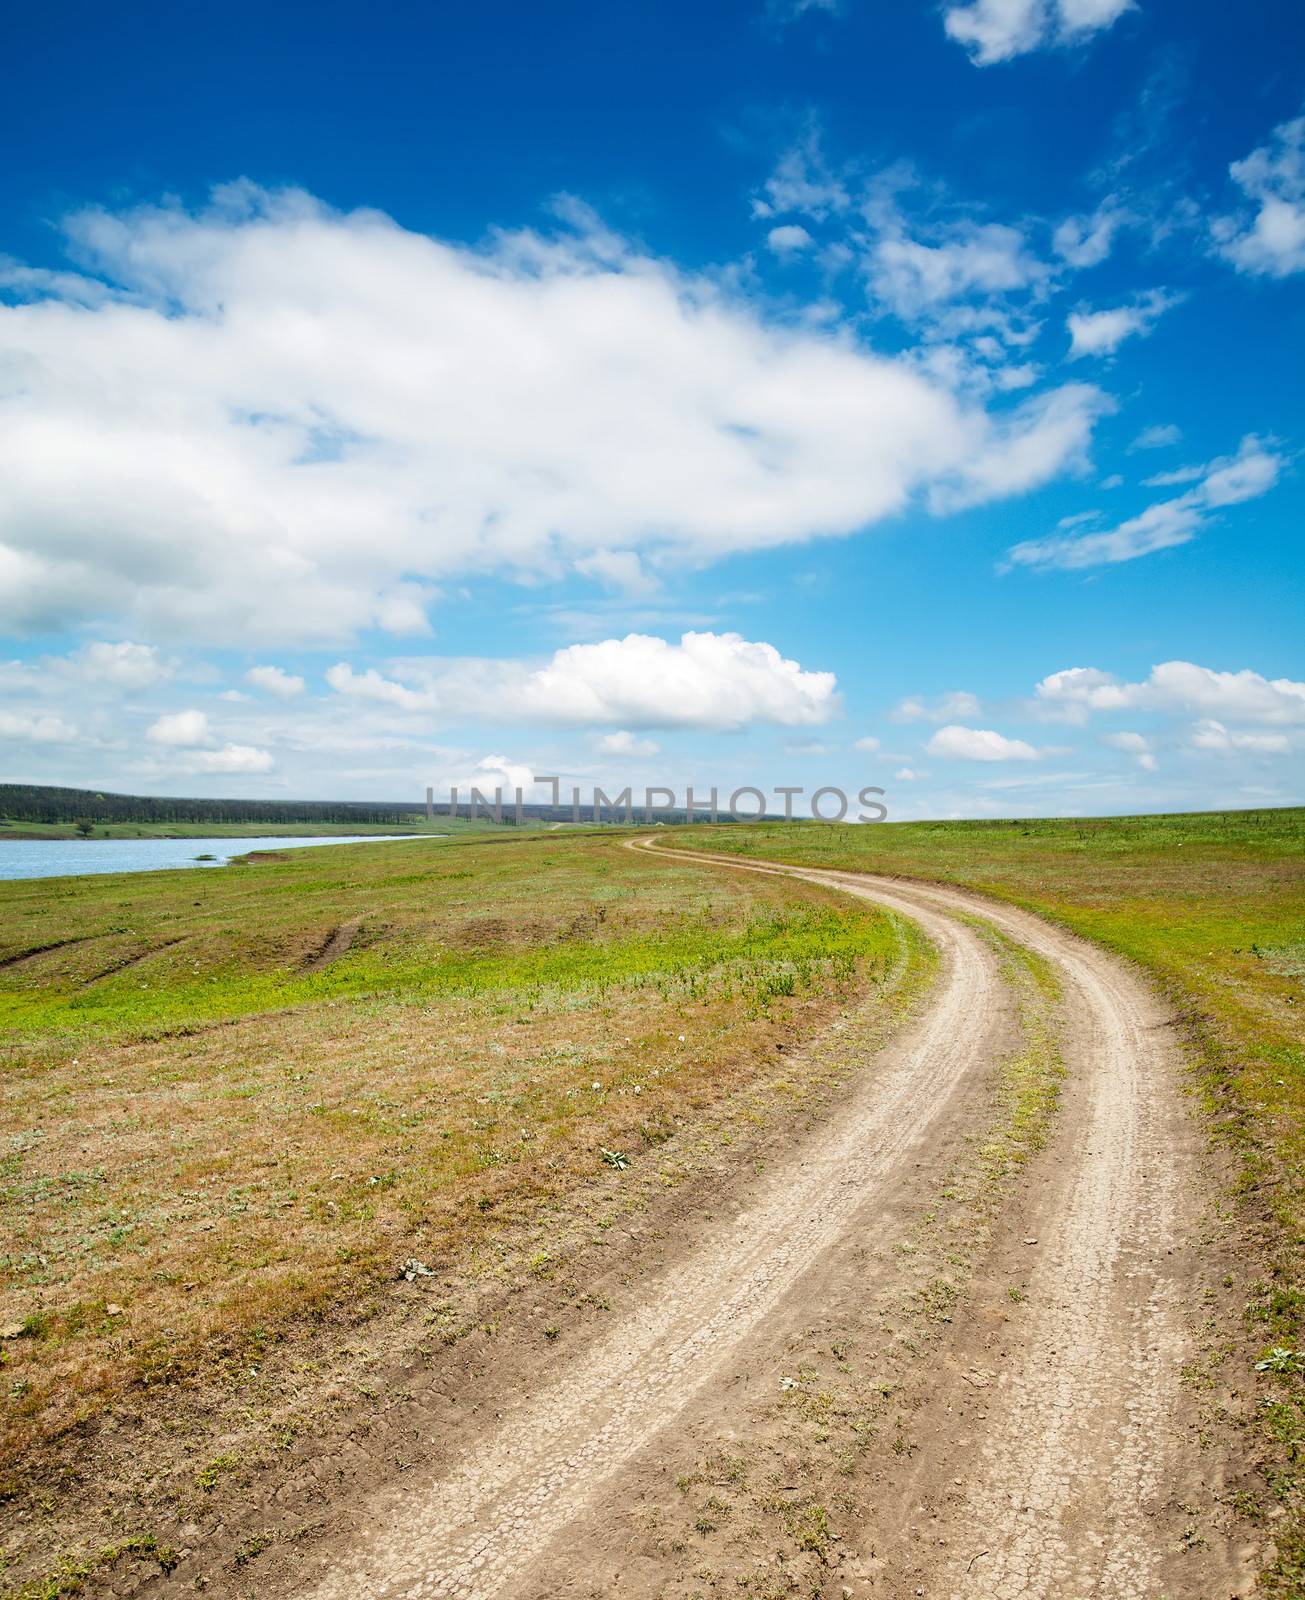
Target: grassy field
point(1213, 907)
point(237, 1099)
point(234, 1097)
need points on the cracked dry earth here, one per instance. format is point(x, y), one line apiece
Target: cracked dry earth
point(1070, 1476)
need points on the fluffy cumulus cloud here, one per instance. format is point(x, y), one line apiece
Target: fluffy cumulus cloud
point(496, 772)
point(979, 744)
point(1100, 333)
point(1227, 481)
point(276, 681)
point(268, 421)
point(122, 665)
point(100, 667)
point(180, 728)
point(1268, 238)
point(1175, 686)
point(707, 680)
point(193, 748)
point(789, 239)
point(998, 30)
point(36, 729)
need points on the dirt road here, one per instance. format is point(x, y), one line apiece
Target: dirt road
point(1064, 1482)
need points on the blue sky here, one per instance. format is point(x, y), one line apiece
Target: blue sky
point(764, 393)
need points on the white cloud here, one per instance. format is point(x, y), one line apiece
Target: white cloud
point(1085, 241)
point(946, 708)
point(284, 424)
point(868, 745)
point(1179, 686)
point(275, 680)
point(1136, 745)
point(998, 30)
point(230, 758)
point(625, 743)
point(1253, 471)
point(123, 665)
point(37, 729)
point(1051, 427)
point(1171, 480)
point(707, 680)
point(908, 775)
point(497, 772)
point(1100, 333)
point(1073, 692)
point(371, 685)
point(979, 744)
point(1016, 377)
point(802, 182)
point(1272, 244)
point(180, 728)
point(911, 276)
point(1157, 437)
point(940, 269)
point(620, 570)
point(1209, 734)
point(1227, 481)
point(111, 668)
point(789, 239)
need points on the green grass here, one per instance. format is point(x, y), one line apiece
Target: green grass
point(161, 953)
point(1212, 907)
point(208, 1146)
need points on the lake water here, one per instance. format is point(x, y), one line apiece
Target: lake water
point(58, 858)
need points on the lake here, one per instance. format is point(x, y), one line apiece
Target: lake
point(60, 858)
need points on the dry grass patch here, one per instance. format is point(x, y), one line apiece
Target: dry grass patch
point(208, 1147)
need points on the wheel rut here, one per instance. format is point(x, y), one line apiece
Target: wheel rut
point(1057, 1486)
point(477, 1527)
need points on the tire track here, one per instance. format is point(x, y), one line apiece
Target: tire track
point(1059, 1493)
point(475, 1528)
point(338, 944)
point(1065, 1495)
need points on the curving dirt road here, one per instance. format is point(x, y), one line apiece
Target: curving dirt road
point(1057, 1488)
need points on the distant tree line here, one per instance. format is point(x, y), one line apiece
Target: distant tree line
point(28, 802)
